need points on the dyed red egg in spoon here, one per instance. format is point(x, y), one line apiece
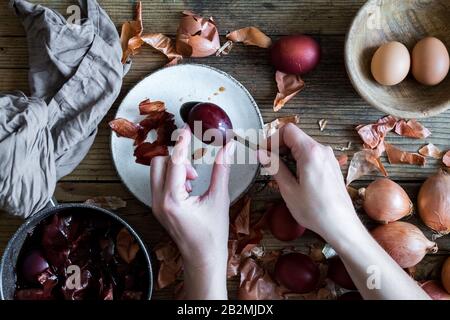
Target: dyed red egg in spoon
point(208, 122)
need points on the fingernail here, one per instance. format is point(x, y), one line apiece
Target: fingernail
point(180, 138)
point(230, 149)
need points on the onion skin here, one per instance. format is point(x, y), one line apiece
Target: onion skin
point(338, 273)
point(385, 201)
point(434, 202)
point(296, 54)
point(445, 275)
point(434, 289)
point(282, 224)
point(404, 242)
point(297, 272)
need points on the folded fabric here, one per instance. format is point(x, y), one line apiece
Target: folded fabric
point(75, 76)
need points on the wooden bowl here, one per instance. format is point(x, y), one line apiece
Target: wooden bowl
point(406, 21)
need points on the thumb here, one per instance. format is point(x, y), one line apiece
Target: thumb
point(221, 170)
point(274, 166)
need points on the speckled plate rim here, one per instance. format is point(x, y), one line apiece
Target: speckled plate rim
point(434, 111)
point(240, 85)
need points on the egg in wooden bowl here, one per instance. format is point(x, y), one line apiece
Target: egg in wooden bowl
point(414, 85)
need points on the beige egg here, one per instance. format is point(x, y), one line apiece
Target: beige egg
point(430, 61)
point(391, 63)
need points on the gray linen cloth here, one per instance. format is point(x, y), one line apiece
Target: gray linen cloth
point(75, 76)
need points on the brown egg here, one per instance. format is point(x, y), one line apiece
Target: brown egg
point(391, 63)
point(430, 61)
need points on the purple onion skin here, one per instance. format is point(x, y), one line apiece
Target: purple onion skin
point(33, 265)
point(212, 118)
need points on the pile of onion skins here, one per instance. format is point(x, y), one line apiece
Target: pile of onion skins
point(198, 37)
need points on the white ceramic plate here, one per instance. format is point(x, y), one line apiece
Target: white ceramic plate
point(176, 85)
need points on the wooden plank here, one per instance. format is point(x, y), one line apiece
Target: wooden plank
point(312, 16)
point(328, 95)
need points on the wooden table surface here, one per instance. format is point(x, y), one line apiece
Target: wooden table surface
point(328, 95)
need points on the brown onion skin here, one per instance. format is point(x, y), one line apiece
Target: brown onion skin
point(445, 275)
point(404, 242)
point(434, 289)
point(295, 54)
point(385, 201)
point(434, 202)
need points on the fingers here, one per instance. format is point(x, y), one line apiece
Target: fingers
point(177, 171)
point(221, 170)
point(157, 176)
point(293, 138)
point(278, 169)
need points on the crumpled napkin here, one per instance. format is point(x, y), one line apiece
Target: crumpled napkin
point(75, 76)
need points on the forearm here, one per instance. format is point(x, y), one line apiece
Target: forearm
point(374, 272)
point(207, 282)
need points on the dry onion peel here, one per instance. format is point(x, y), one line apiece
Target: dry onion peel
point(197, 36)
point(342, 160)
point(288, 85)
point(170, 264)
point(373, 134)
point(257, 284)
point(364, 162)
point(404, 242)
point(430, 150)
point(131, 29)
point(397, 156)
point(412, 129)
point(434, 202)
point(446, 159)
point(250, 36)
point(271, 127)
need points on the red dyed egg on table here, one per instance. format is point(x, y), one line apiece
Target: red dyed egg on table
point(296, 54)
point(282, 224)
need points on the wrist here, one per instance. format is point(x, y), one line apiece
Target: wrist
point(206, 280)
point(344, 238)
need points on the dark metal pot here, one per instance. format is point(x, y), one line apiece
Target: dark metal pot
point(8, 263)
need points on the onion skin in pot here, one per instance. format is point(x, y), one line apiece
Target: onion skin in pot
point(434, 289)
point(445, 275)
point(434, 202)
point(404, 242)
point(385, 201)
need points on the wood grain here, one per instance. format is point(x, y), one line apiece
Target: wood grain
point(312, 16)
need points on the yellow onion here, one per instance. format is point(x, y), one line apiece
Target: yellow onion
point(385, 201)
point(445, 275)
point(434, 202)
point(404, 242)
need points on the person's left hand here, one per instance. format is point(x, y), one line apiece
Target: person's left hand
point(198, 224)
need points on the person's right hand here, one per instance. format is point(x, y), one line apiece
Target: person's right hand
point(316, 195)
